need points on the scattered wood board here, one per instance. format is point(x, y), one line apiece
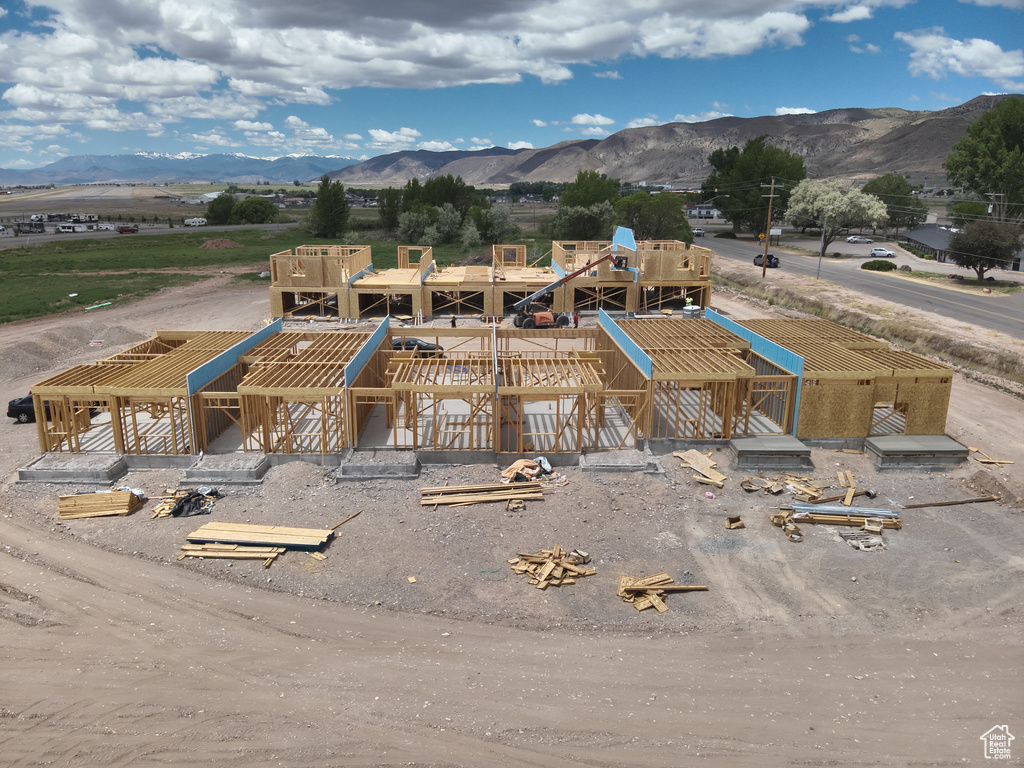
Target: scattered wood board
point(553, 567)
point(463, 495)
point(647, 591)
point(701, 463)
point(950, 502)
point(985, 458)
point(231, 552)
point(97, 505)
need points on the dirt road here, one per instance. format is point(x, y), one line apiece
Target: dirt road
point(116, 654)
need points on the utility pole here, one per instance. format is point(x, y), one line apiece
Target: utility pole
point(768, 231)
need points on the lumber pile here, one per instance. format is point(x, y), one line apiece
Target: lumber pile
point(232, 552)
point(703, 464)
point(97, 505)
point(554, 567)
point(464, 495)
point(647, 591)
point(261, 535)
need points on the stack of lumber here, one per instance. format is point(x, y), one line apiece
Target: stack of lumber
point(552, 567)
point(261, 535)
point(647, 591)
point(232, 552)
point(463, 495)
point(704, 465)
point(803, 487)
point(97, 505)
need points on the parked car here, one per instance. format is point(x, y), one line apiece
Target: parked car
point(882, 253)
point(22, 409)
point(419, 346)
point(859, 239)
point(773, 260)
point(106, 225)
point(127, 230)
point(698, 232)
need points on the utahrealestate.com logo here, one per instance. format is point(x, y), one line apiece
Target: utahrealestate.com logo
point(997, 742)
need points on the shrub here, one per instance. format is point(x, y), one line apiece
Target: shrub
point(726, 234)
point(878, 265)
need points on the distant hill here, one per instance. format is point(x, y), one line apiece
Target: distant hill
point(855, 143)
point(840, 143)
point(157, 168)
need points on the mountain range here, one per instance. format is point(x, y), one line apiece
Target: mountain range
point(854, 144)
point(160, 168)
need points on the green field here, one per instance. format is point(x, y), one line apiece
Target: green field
point(39, 280)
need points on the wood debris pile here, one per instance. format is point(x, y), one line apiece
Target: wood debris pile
point(554, 567)
point(97, 505)
point(647, 591)
point(202, 503)
point(464, 495)
point(704, 465)
point(983, 458)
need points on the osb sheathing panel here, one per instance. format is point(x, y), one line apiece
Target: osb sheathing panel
point(508, 256)
point(673, 262)
point(835, 409)
point(926, 402)
point(412, 256)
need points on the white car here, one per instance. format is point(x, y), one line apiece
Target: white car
point(859, 239)
point(882, 253)
point(106, 225)
point(698, 232)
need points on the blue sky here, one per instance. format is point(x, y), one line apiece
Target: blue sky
point(327, 77)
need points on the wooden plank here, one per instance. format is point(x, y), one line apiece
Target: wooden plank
point(657, 603)
point(850, 482)
point(668, 588)
point(848, 499)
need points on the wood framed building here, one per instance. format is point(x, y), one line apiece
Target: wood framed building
point(339, 282)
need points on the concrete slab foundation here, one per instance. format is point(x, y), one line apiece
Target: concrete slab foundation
point(771, 452)
point(228, 469)
point(87, 468)
point(627, 460)
point(379, 464)
point(927, 452)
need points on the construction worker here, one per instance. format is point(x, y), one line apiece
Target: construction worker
point(575, 320)
point(453, 321)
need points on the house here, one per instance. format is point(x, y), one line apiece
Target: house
point(703, 211)
point(934, 239)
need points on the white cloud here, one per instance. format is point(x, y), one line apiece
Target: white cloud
point(1017, 5)
point(584, 119)
point(593, 130)
point(640, 122)
point(249, 125)
point(863, 10)
point(936, 55)
point(484, 142)
point(686, 36)
point(539, 123)
point(794, 111)
point(392, 141)
point(436, 146)
point(611, 74)
point(520, 145)
point(353, 137)
point(703, 117)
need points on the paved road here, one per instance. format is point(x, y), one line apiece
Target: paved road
point(995, 312)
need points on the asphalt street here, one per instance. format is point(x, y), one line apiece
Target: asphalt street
point(998, 312)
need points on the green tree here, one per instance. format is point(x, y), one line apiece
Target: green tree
point(740, 182)
point(989, 160)
point(905, 211)
point(834, 205)
point(218, 210)
point(253, 210)
point(655, 217)
point(389, 206)
point(448, 189)
point(496, 225)
point(412, 226)
point(412, 194)
point(577, 222)
point(589, 189)
point(328, 217)
point(448, 224)
point(966, 207)
point(985, 244)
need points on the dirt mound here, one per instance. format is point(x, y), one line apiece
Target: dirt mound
point(220, 243)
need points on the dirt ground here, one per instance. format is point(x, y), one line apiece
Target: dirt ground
point(802, 653)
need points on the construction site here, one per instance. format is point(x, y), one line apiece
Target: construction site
point(683, 526)
point(487, 391)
